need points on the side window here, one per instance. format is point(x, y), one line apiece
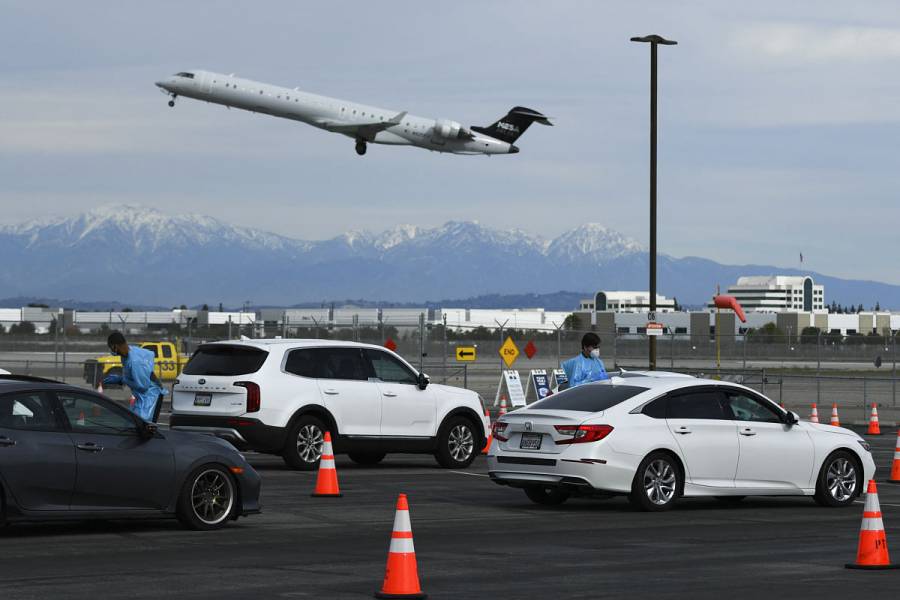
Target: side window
point(657, 408)
point(747, 408)
point(308, 362)
point(28, 410)
point(387, 368)
point(152, 348)
point(87, 414)
point(696, 405)
point(328, 363)
point(167, 351)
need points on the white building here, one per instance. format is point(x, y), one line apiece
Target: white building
point(626, 302)
point(778, 293)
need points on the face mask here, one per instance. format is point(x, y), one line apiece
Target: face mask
point(595, 353)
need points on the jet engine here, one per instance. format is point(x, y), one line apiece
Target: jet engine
point(449, 130)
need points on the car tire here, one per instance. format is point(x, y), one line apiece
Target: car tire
point(304, 444)
point(367, 458)
point(839, 481)
point(657, 484)
point(208, 498)
point(546, 496)
point(457, 443)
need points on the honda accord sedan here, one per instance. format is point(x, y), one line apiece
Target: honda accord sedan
point(70, 453)
point(658, 439)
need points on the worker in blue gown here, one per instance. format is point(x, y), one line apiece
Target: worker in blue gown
point(587, 366)
point(138, 374)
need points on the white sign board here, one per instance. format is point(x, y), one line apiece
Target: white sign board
point(654, 328)
point(510, 379)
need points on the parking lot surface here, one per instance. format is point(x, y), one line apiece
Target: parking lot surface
point(473, 539)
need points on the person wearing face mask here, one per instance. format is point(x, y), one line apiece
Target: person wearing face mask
point(587, 366)
point(137, 373)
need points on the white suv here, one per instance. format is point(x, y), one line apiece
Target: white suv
point(280, 396)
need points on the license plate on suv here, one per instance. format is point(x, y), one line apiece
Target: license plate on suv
point(531, 441)
point(202, 399)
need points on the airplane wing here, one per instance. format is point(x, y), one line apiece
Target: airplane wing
point(365, 129)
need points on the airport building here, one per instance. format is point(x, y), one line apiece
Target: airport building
point(626, 302)
point(778, 293)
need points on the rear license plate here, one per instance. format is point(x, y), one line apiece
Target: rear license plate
point(531, 441)
point(202, 399)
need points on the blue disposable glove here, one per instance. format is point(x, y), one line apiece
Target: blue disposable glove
point(112, 380)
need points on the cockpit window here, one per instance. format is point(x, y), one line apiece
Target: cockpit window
point(184, 74)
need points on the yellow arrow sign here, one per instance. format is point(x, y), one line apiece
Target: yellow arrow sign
point(466, 353)
point(509, 352)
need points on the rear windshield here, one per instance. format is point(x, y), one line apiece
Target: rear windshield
point(592, 397)
point(219, 359)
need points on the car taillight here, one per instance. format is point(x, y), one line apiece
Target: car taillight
point(498, 429)
point(581, 434)
point(253, 400)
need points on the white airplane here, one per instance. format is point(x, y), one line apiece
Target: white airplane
point(365, 124)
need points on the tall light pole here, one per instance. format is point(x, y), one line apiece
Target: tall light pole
point(654, 41)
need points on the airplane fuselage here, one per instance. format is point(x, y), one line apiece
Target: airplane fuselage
point(365, 124)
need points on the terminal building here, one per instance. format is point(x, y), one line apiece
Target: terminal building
point(626, 302)
point(778, 293)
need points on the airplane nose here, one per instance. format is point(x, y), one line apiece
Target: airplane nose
point(513, 149)
point(161, 84)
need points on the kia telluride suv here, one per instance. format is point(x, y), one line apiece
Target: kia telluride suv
point(280, 397)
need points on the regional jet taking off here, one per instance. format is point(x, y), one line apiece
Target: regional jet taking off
point(365, 124)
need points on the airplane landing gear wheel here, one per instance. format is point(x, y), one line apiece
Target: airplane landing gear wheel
point(360, 147)
point(172, 100)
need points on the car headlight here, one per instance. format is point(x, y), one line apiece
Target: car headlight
point(865, 445)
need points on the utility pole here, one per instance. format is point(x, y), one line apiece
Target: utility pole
point(654, 41)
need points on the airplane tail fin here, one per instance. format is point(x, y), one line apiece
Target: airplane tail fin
point(514, 124)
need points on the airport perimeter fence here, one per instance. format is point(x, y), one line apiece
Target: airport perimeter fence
point(853, 371)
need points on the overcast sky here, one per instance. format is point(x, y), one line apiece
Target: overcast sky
point(779, 121)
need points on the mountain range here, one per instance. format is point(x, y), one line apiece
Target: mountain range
point(145, 257)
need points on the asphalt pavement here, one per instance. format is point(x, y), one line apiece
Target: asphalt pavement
point(473, 539)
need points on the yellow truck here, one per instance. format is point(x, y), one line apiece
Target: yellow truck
point(169, 363)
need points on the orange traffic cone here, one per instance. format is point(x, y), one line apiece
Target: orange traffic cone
point(814, 415)
point(874, 428)
point(100, 387)
point(490, 437)
point(873, 551)
point(401, 576)
point(131, 402)
point(327, 482)
point(895, 468)
point(502, 406)
point(835, 420)
point(80, 420)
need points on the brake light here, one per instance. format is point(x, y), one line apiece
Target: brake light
point(498, 429)
point(582, 434)
point(253, 399)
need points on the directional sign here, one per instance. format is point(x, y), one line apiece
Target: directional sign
point(509, 352)
point(466, 353)
point(530, 350)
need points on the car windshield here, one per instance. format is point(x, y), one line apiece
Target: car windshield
point(221, 359)
point(592, 397)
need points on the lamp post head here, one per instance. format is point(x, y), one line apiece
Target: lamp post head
point(654, 39)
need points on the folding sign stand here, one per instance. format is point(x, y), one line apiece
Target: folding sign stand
point(538, 385)
point(510, 380)
point(560, 379)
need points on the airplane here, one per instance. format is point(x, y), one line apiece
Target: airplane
point(365, 124)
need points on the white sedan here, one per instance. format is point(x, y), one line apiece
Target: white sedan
point(661, 438)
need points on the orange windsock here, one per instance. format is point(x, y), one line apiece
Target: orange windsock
point(872, 552)
point(814, 415)
point(835, 420)
point(327, 481)
point(401, 576)
point(895, 468)
point(874, 428)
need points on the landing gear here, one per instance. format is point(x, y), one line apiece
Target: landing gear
point(360, 147)
point(172, 101)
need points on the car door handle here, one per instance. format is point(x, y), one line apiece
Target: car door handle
point(89, 447)
point(683, 430)
point(390, 394)
point(5, 441)
point(331, 392)
point(747, 432)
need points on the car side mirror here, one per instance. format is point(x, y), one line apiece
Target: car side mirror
point(791, 418)
point(422, 381)
point(148, 430)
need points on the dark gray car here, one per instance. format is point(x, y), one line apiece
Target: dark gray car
point(70, 453)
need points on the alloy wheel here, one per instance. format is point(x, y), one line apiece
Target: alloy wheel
point(212, 496)
point(310, 441)
point(461, 443)
point(660, 482)
point(840, 479)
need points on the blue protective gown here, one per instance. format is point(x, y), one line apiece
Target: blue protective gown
point(137, 369)
point(584, 370)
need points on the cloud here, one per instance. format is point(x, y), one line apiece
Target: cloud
point(794, 43)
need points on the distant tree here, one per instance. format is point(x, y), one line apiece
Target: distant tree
point(205, 307)
point(859, 308)
point(36, 305)
point(182, 307)
point(572, 322)
point(127, 309)
point(855, 339)
point(72, 331)
point(25, 328)
point(2, 329)
point(677, 307)
point(877, 306)
point(767, 334)
point(809, 335)
point(875, 339)
point(833, 338)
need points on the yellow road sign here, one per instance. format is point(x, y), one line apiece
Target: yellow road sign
point(466, 353)
point(509, 352)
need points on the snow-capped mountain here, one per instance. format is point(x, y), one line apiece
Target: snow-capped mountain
point(144, 256)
